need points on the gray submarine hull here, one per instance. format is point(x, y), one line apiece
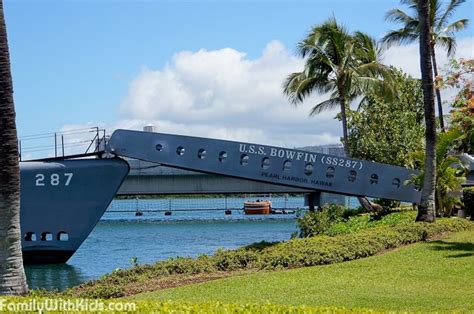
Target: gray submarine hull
point(61, 201)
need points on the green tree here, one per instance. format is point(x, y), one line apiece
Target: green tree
point(340, 64)
point(459, 76)
point(426, 209)
point(441, 31)
point(387, 132)
point(12, 274)
point(450, 172)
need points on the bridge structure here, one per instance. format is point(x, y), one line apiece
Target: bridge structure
point(147, 178)
point(290, 168)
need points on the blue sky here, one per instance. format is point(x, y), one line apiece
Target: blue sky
point(86, 62)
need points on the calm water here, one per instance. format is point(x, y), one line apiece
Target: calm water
point(120, 235)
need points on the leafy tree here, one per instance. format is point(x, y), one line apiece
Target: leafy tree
point(450, 173)
point(441, 31)
point(387, 132)
point(12, 274)
point(459, 75)
point(426, 210)
point(340, 64)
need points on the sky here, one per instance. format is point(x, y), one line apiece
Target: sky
point(201, 68)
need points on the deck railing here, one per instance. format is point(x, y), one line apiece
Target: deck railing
point(77, 142)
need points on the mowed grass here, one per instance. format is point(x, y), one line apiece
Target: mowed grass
point(434, 276)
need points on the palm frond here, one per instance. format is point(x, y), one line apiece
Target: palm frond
point(398, 16)
point(453, 4)
point(412, 4)
point(299, 85)
point(366, 47)
point(445, 142)
point(435, 8)
point(456, 26)
point(328, 104)
point(400, 36)
point(448, 43)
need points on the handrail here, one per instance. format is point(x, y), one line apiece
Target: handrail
point(62, 144)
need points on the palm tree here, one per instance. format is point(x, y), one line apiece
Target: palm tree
point(450, 172)
point(12, 274)
point(426, 210)
point(441, 32)
point(346, 66)
point(342, 64)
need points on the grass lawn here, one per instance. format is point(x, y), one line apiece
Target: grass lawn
point(438, 275)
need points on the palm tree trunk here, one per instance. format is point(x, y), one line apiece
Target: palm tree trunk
point(363, 201)
point(438, 93)
point(12, 274)
point(345, 137)
point(426, 210)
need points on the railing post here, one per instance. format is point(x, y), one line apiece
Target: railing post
point(62, 143)
point(55, 145)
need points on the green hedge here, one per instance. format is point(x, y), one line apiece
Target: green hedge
point(54, 305)
point(317, 250)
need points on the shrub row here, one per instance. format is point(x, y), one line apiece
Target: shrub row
point(62, 305)
point(316, 250)
point(336, 219)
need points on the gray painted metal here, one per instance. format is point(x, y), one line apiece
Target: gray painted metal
point(64, 196)
point(289, 167)
point(468, 161)
point(152, 178)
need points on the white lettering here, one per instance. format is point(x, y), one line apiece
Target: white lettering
point(39, 179)
point(69, 177)
point(290, 154)
point(55, 179)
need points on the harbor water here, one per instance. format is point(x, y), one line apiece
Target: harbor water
point(195, 226)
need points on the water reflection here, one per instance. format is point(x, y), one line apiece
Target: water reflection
point(53, 276)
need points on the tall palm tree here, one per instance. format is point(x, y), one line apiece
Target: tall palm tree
point(342, 64)
point(426, 210)
point(441, 32)
point(12, 274)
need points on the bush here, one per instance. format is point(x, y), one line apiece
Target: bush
point(217, 307)
point(468, 199)
point(325, 250)
point(176, 307)
point(318, 222)
point(360, 238)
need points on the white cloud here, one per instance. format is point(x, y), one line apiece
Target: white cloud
point(225, 94)
point(406, 57)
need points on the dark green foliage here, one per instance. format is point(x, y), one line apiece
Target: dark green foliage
point(318, 222)
point(468, 199)
point(387, 132)
point(450, 172)
point(387, 204)
point(360, 237)
point(362, 222)
point(340, 64)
